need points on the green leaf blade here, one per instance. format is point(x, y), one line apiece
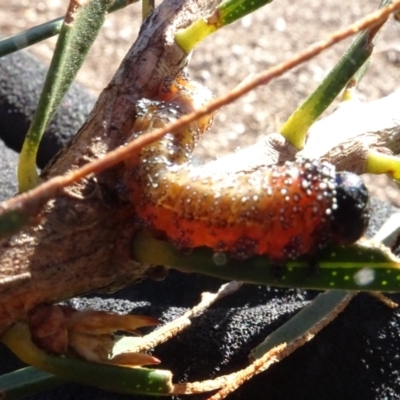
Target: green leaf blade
point(363, 266)
point(78, 32)
point(353, 64)
point(114, 378)
point(27, 382)
point(226, 13)
point(231, 10)
point(306, 319)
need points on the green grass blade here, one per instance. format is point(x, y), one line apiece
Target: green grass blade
point(113, 378)
point(79, 30)
point(310, 316)
point(297, 125)
point(29, 37)
point(44, 31)
point(226, 13)
point(27, 382)
point(362, 266)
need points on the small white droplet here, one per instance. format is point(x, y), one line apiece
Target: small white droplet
point(364, 276)
point(220, 258)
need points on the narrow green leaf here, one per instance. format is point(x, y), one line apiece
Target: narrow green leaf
point(109, 377)
point(27, 382)
point(44, 31)
point(226, 13)
point(78, 32)
point(297, 125)
point(309, 317)
point(231, 10)
point(29, 37)
point(363, 266)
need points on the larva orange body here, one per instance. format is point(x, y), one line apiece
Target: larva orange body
point(281, 212)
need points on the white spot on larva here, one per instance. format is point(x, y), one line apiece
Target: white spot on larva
point(275, 174)
point(305, 184)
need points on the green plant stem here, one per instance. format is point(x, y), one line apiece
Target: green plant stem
point(226, 13)
point(367, 266)
point(75, 39)
point(309, 318)
point(296, 127)
point(350, 89)
point(380, 163)
point(113, 378)
point(31, 36)
point(27, 382)
point(44, 31)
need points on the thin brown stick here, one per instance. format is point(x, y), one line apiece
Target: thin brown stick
point(229, 383)
point(171, 329)
point(38, 196)
point(205, 386)
point(384, 299)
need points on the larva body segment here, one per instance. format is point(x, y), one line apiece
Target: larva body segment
point(282, 212)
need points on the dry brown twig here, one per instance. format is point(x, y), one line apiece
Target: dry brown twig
point(228, 383)
point(171, 329)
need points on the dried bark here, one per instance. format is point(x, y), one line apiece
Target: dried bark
point(343, 138)
point(82, 242)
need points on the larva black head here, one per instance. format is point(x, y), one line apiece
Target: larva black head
point(351, 216)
